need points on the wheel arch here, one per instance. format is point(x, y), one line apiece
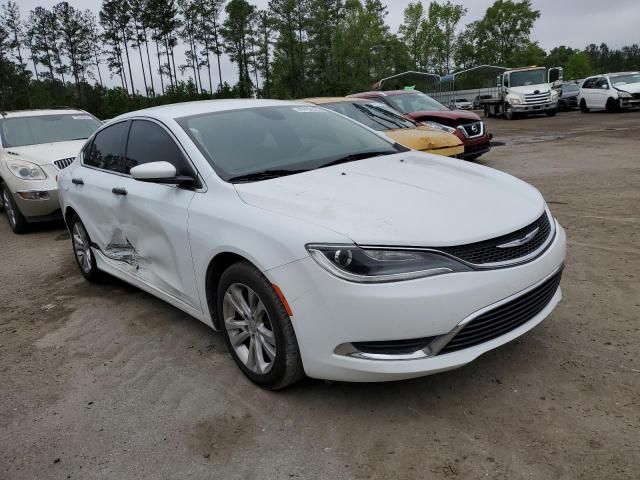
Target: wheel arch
point(69, 212)
point(217, 266)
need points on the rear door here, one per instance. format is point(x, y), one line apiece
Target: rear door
point(92, 182)
point(152, 217)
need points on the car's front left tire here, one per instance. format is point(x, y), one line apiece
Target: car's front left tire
point(17, 221)
point(82, 252)
point(257, 328)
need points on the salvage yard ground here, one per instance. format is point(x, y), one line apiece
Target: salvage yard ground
point(108, 382)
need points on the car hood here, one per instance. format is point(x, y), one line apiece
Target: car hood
point(405, 199)
point(423, 138)
point(47, 153)
point(530, 89)
point(630, 87)
point(447, 116)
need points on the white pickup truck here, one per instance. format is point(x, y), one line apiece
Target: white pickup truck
point(524, 91)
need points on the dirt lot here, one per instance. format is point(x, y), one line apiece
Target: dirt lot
point(108, 382)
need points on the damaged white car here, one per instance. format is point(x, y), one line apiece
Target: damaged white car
point(315, 245)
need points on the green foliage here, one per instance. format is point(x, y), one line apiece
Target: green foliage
point(292, 49)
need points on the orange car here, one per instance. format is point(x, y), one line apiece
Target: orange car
point(382, 118)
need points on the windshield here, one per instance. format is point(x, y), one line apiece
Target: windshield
point(415, 102)
point(618, 80)
point(292, 138)
point(462, 100)
point(22, 131)
point(374, 115)
point(528, 77)
point(570, 88)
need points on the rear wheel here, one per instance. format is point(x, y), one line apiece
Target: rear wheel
point(85, 258)
point(17, 221)
point(257, 329)
point(583, 106)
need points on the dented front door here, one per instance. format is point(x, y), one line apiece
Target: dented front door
point(150, 236)
point(151, 239)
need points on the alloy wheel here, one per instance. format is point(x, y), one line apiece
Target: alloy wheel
point(8, 207)
point(249, 328)
point(82, 247)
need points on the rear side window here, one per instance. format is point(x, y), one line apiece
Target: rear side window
point(106, 149)
point(149, 142)
point(589, 83)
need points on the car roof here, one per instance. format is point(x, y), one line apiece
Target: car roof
point(39, 112)
point(186, 109)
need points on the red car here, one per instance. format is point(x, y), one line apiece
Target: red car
point(417, 106)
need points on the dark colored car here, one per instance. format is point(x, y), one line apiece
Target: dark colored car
point(417, 106)
point(568, 97)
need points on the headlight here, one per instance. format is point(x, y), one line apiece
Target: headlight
point(26, 170)
point(513, 100)
point(372, 265)
point(439, 126)
point(623, 94)
point(554, 95)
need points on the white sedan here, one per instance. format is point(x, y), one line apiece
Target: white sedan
point(315, 245)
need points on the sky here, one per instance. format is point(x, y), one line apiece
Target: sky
point(574, 23)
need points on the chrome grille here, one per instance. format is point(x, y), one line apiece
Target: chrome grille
point(537, 98)
point(474, 129)
point(505, 318)
point(494, 251)
point(63, 163)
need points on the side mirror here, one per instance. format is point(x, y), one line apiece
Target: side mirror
point(604, 86)
point(160, 172)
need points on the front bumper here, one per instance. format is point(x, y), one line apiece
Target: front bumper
point(544, 107)
point(629, 102)
point(37, 200)
point(329, 312)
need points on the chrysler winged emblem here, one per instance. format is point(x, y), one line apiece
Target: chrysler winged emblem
point(521, 241)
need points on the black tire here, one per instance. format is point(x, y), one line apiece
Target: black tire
point(552, 113)
point(286, 368)
point(17, 221)
point(611, 106)
point(583, 106)
point(472, 158)
point(87, 265)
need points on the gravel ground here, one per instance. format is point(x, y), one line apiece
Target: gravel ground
point(109, 382)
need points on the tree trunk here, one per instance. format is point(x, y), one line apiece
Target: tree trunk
point(126, 52)
point(146, 45)
point(160, 67)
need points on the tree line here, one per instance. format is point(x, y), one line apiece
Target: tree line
point(292, 49)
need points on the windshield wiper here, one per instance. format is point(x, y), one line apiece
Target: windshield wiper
point(263, 175)
point(357, 156)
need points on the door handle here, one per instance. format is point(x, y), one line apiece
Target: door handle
point(118, 191)
point(77, 181)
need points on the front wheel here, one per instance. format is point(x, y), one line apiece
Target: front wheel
point(257, 328)
point(583, 106)
point(17, 221)
point(611, 106)
point(85, 258)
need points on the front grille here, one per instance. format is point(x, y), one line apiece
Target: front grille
point(489, 251)
point(394, 347)
point(636, 96)
point(474, 129)
point(505, 318)
point(64, 163)
point(537, 98)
